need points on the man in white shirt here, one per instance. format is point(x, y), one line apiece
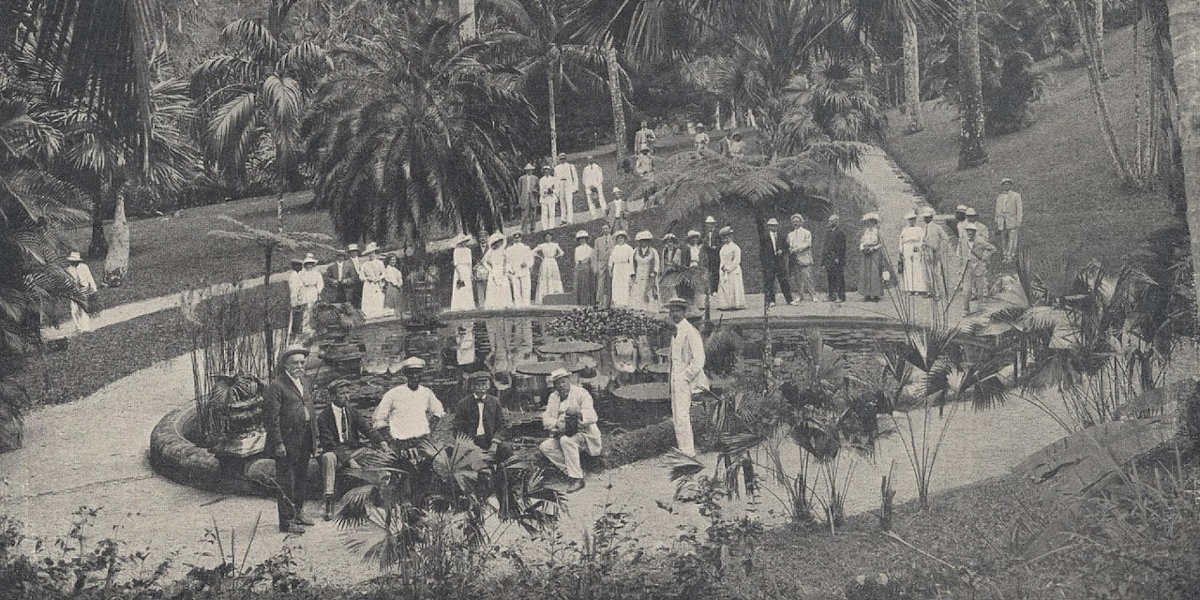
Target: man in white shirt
point(593, 188)
point(1008, 214)
point(296, 298)
point(548, 186)
point(799, 243)
point(406, 410)
point(570, 416)
point(687, 373)
point(568, 183)
point(520, 263)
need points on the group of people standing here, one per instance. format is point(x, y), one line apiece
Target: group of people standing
point(552, 196)
point(365, 278)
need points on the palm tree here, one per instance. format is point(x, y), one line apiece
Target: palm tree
point(1185, 44)
point(256, 90)
point(970, 76)
point(540, 31)
point(422, 133)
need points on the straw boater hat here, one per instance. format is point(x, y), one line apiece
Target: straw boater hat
point(972, 212)
point(479, 376)
point(676, 302)
point(668, 236)
point(620, 233)
point(562, 155)
point(616, 190)
point(693, 233)
point(339, 383)
point(772, 221)
point(548, 168)
point(74, 257)
point(579, 235)
point(352, 248)
point(296, 261)
point(797, 218)
point(970, 227)
point(928, 211)
point(1005, 180)
point(910, 215)
point(462, 238)
point(295, 349)
point(371, 247)
point(709, 220)
point(528, 166)
point(871, 216)
point(962, 208)
point(413, 363)
point(644, 235)
point(309, 259)
point(495, 237)
point(726, 230)
point(558, 373)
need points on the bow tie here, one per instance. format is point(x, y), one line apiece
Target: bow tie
point(480, 400)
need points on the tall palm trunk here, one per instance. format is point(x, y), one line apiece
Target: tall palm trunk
point(116, 264)
point(1170, 167)
point(618, 104)
point(1089, 45)
point(970, 105)
point(1185, 44)
point(466, 8)
point(912, 76)
point(98, 248)
point(1146, 102)
point(550, 71)
point(1098, 28)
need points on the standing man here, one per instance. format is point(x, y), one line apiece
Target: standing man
point(520, 263)
point(528, 197)
point(936, 240)
point(337, 278)
point(480, 417)
point(616, 210)
point(644, 138)
point(834, 259)
point(568, 183)
point(775, 264)
point(410, 411)
point(603, 251)
point(593, 188)
point(701, 140)
point(570, 416)
point(977, 251)
point(548, 187)
point(291, 436)
point(981, 230)
point(799, 242)
point(82, 275)
point(687, 373)
point(296, 298)
point(712, 253)
point(354, 291)
point(644, 167)
point(960, 219)
point(343, 432)
point(1008, 213)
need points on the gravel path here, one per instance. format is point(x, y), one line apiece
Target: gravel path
point(93, 453)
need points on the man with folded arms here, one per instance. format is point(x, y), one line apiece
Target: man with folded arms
point(571, 418)
point(343, 432)
point(481, 418)
point(410, 411)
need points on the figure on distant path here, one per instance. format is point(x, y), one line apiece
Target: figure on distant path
point(737, 147)
point(520, 269)
point(912, 257)
point(79, 271)
point(1008, 214)
point(645, 164)
point(701, 139)
point(528, 197)
point(354, 293)
point(644, 138)
point(585, 274)
point(549, 277)
point(871, 282)
point(833, 257)
point(732, 290)
point(295, 297)
point(462, 296)
point(620, 264)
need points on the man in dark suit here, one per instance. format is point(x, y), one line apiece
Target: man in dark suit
point(775, 252)
point(342, 278)
point(344, 433)
point(481, 418)
point(834, 258)
point(291, 428)
point(711, 261)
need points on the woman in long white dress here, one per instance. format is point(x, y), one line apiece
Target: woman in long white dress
point(731, 291)
point(462, 295)
point(549, 279)
point(495, 262)
point(313, 283)
point(371, 270)
point(82, 275)
point(912, 260)
point(393, 279)
point(646, 268)
point(620, 264)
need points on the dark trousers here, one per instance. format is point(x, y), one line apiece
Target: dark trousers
point(836, 277)
point(291, 475)
point(773, 273)
point(298, 319)
point(714, 269)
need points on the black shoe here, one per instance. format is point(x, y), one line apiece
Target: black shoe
point(328, 508)
point(576, 485)
point(303, 520)
point(291, 528)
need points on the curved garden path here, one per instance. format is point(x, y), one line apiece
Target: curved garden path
point(93, 453)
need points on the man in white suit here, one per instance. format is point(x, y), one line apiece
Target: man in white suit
point(593, 188)
point(568, 183)
point(520, 263)
point(687, 373)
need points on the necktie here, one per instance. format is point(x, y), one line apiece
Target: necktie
point(341, 426)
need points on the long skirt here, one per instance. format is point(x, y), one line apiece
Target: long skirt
point(499, 292)
point(462, 295)
point(393, 300)
point(622, 276)
point(871, 283)
point(645, 293)
point(731, 290)
point(585, 283)
point(549, 280)
point(373, 299)
point(913, 278)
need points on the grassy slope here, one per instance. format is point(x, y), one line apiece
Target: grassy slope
point(1075, 208)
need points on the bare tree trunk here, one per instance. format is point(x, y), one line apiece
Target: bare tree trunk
point(912, 77)
point(1098, 99)
point(1098, 28)
point(618, 103)
point(971, 118)
point(733, 114)
point(1146, 102)
point(1170, 167)
point(98, 248)
point(466, 8)
point(718, 125)
point(268, 331)
point(1185, 45)
point(116, 264)
point(553, 116)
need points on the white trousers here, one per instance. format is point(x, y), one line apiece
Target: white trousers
point(80, 318)
point(681, 415)
point(596, 204)
point(548, 204)
point(566, 201)
point(563, 451)
point(521, 287)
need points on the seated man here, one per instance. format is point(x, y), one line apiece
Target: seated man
point(480, 418)
point(408, 412)
point(343, 433)
point(571, 419)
